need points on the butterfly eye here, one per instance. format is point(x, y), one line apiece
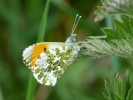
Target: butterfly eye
point(75, 39)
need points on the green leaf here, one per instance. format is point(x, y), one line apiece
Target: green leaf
point(129, 94)
point(123, 30)
point(116, 42)
point(107, 97)
point(109, 90)
point(117, 89)
point(123, 7)
point(123, 88)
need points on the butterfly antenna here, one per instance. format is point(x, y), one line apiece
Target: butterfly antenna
point(75, 23)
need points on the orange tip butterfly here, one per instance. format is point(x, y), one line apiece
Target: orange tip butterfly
point(48, 60)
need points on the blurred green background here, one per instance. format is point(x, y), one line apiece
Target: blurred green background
point(19, 25)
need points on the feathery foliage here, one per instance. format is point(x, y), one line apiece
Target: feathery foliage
point(117, 42)
point(119, 87)
point(123, 7)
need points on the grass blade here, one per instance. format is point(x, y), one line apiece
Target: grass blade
point(41, 34)
point(1, 95)
point(43, 23)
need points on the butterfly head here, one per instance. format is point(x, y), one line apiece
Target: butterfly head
point(72, 40)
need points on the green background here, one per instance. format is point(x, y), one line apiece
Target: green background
point(19, 26)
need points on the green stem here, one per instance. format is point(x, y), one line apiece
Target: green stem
point(32, 82)
point(1, 95)
point(43, 23)
point(114, 59)
point(31, 87)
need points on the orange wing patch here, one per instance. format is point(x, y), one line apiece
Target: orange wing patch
point(39, 48)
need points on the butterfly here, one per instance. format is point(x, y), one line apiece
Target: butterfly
point(48, 60)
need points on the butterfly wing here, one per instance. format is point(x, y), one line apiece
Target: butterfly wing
point(48, 60)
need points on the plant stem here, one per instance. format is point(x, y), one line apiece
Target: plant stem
point(32, 82)
point(42, 29)
point(1, 95)
point(114, 59)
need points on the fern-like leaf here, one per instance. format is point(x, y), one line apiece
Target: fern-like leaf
point(117, 42)
point(118, 88)
point(124, 7)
